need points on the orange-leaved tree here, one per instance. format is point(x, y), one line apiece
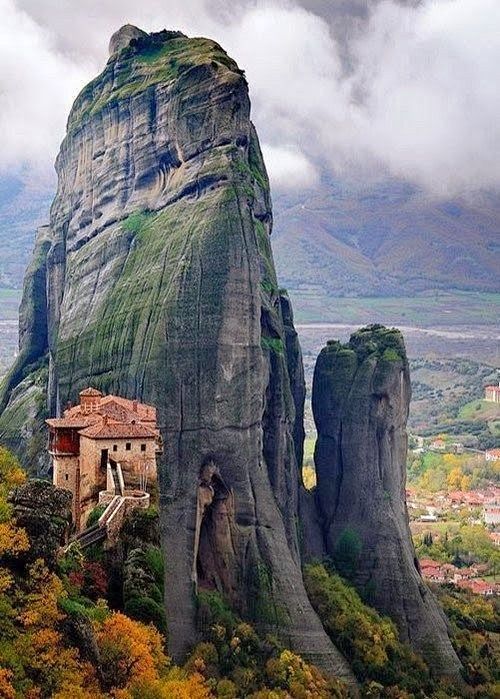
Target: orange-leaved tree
point(130, 652)
point(49, 665)
point(12, 539)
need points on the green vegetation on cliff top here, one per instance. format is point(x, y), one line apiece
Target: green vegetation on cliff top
point(374, 340)
point(146, 63)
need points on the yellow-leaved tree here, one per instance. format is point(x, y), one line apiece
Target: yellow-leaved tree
point(130, 652)
point(49, 664)
point(12, 539)
point(454, 478)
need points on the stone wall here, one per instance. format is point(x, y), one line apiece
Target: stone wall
point(92, 477)
point(65, 476)
point(133, 462)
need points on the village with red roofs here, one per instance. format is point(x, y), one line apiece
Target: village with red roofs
point(480, 509)
point(453, 502)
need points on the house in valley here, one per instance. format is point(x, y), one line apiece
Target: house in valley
point(478, 587)
point(438, 444)
point(492, 393)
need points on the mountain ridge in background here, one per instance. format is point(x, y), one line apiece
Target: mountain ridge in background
point(24, 205)
point(385, 239)
point(340, 238)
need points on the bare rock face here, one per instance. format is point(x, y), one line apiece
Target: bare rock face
point(361, 395)
point(121, 39)
point(161, 286)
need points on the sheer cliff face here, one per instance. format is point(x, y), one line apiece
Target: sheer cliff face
point(161, 285)
point(361, 395)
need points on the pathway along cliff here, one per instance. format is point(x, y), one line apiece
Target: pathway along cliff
point(155, 279)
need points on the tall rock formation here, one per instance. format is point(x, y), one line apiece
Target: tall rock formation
point(361, 396)
point(160, 285)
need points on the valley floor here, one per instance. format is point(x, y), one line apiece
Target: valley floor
point(428, 310)
point(452, 341)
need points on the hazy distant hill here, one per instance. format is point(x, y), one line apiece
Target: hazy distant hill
point(385, 239)
point(23, 207)
point(340, 239)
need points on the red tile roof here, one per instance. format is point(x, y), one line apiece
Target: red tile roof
point(116, 404)
point(110, 417)
point(145, 412)
point(112, 430)
point(117, 412)
point(108, 404)
point(73, 422)
point(480, 587)
point(429, 563)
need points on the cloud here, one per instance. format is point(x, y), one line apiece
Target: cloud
point(37, 85)
point(288, 168)
point(383, 88)
point(431, 104)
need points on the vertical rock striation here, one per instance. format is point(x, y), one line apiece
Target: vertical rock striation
point(361, 396)
point(160, 285)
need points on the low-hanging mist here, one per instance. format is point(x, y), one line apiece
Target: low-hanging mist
point(405, 90)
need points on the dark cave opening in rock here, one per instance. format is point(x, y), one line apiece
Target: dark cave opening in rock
point(214, 570)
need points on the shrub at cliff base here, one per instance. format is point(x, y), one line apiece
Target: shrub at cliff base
point(476, 635)
point(239, 663)
point(143, 578)
point(369, 640)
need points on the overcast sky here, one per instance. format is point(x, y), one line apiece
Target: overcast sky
point(352, 87)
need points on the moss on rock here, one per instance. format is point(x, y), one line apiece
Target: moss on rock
point(157, 59)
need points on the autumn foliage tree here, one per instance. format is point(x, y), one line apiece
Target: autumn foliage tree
point(12, 539)
point(130, 652)
point(368, 639)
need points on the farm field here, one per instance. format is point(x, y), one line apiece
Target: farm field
point(9, 303)
point(433, 309)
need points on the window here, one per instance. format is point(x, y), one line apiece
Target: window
point(143, 447)
point(128, 446)
point(66, 477)
point(115, 447)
